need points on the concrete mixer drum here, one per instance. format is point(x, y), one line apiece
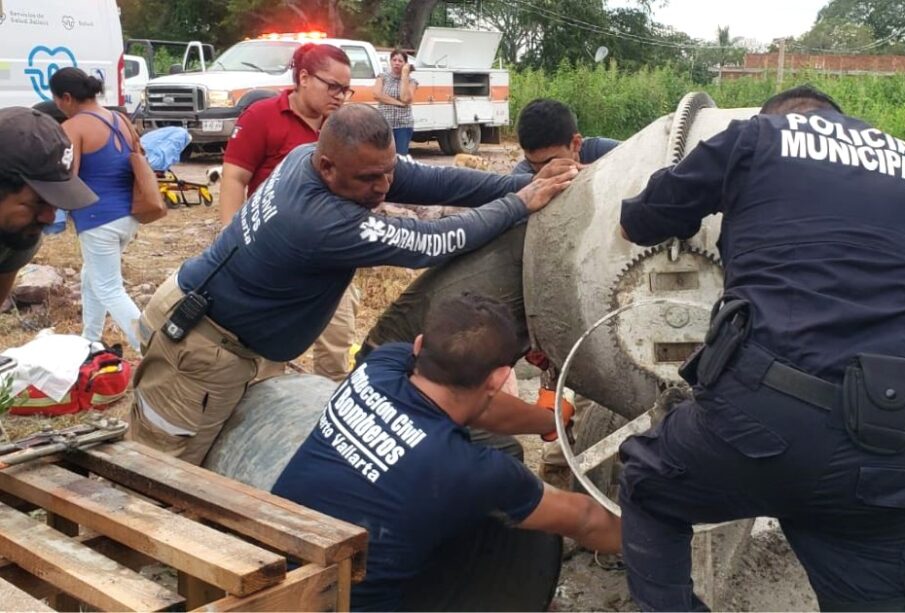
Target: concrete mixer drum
point(577, 267)
point(658, 337)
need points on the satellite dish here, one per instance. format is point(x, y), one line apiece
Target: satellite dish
point(601, 54)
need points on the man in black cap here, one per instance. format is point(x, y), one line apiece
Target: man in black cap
point(35, 178)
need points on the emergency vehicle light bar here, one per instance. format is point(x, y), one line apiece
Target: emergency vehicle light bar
point(311, 35)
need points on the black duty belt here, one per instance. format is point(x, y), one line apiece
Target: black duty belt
point(801, 385)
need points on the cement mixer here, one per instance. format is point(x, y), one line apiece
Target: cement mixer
point(594, 270)
point(570, 266)
point(559, 275)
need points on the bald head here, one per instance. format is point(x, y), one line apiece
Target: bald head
point(352, 126)
point(356, 156)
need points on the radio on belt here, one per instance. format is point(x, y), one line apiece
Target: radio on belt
point(192, 308)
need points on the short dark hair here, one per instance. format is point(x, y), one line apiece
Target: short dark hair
point(312, 57)
point(465, 339)
point(400, 52)
point(75, 82)
point(353, 125)
point(10, 184)
point(801, 99)
point(546, 123)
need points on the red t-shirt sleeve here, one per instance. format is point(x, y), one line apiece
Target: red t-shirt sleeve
point(247, 146)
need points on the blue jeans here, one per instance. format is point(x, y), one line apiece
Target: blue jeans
point(102, 280)
point(403, 136)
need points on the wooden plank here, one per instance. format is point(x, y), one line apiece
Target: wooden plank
point(63, 601)
point(271, 520)
point(38, 588)
point(76, 569)
point(196, 592)
point(344, 586)
point(308, 588)
point(14, 599)
point(223, 560)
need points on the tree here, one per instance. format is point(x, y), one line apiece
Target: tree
point(835, 35)
point(727, 50)
point(884, 18)
point(414, 22)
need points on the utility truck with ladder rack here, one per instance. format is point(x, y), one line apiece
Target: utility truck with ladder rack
point(461, 99)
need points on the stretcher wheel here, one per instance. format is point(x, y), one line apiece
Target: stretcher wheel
point(172, 198)
point(204, 194)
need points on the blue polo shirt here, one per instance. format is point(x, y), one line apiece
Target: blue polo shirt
point(385, 457)
point(812, 230)
point(592, 149)
point(297, 245)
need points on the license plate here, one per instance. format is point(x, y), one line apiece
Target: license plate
point(212, 125)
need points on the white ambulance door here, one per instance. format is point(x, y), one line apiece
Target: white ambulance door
point(39, 38)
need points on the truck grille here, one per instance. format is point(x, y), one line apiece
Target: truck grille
point(175, 99)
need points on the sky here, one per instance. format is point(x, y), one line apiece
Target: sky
point(762, 20)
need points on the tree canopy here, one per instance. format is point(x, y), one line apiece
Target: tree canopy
point(858, 26)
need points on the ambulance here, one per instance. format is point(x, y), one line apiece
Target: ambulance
point(461, 100)
point(38, 37)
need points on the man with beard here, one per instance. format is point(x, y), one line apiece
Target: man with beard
point(35, 178)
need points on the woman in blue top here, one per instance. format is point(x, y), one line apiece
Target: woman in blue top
point(394, 91)
point(101, 143)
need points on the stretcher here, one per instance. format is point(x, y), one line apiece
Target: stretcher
point(178, 191)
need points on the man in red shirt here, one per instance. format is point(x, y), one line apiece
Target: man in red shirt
point(265, 133)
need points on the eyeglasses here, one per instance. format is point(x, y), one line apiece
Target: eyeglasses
point(335, 89)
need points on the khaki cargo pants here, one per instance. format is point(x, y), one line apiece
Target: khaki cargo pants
point(331, 349)
point(185, 392)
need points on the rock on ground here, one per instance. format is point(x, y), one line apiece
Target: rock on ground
point(35, 283)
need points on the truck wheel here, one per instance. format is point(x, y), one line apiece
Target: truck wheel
point(597, 422)
point(444, 141)
point(465, 138)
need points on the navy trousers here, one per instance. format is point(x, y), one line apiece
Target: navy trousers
point(741, 450)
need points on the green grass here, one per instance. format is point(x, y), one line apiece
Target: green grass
point(614, 103)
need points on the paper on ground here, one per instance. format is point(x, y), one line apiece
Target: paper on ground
point(50, 362)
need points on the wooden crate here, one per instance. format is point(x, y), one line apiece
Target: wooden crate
point(228, 543)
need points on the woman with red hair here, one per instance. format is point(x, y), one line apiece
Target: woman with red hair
point(269, 129)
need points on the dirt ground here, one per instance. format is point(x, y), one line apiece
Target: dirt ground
point(768, 577)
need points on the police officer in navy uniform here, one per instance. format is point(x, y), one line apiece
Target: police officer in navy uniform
point(799, 402)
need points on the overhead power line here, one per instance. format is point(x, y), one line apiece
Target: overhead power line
point(598, 29)
point(856, 50)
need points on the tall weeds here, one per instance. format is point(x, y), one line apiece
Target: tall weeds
point(614, 103)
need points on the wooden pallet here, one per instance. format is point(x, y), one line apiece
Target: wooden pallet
point(229, 544)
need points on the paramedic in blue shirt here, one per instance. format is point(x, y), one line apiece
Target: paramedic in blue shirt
point(289, 254)
point(547, 130)
point(812, 233)
point(391, 453)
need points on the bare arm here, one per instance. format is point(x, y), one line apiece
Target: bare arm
point(577, 516)
point(232, 190)
point(7, 280)
point(377, 90)
point(510, 415)
point(406, 88)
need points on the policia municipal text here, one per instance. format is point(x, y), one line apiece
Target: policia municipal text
point(799, 406)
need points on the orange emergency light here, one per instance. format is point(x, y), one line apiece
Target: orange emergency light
point(310, 35)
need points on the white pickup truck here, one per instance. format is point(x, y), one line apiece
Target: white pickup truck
point(461, 99)
point(139, 69)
